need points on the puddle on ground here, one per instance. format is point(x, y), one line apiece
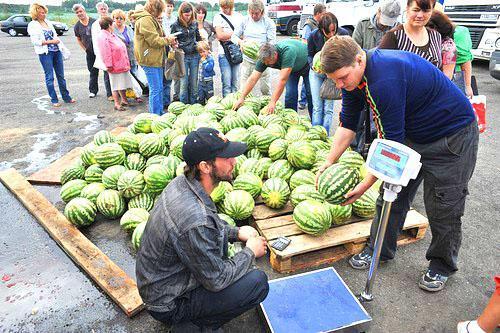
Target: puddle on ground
point(36, 159)
point(94, 122)
point(43, 104)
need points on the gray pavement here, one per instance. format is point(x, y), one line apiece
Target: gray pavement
point(42, 290)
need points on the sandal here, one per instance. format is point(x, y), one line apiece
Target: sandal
point(121, 108)
point(71, 101)
point(56, 105)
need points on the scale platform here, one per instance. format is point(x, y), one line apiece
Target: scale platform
point(317, 301)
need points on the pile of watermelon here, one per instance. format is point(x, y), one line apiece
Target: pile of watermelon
point(121, 177)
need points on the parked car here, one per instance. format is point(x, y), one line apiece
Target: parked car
point(18, 25)
point(495, 64)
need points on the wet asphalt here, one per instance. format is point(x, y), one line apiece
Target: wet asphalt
point(42, 290)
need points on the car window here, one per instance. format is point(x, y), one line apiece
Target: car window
point(19, 19)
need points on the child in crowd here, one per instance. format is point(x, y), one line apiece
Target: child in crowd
point(206, 84)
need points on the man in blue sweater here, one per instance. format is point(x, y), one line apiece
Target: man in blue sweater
point(412, 102)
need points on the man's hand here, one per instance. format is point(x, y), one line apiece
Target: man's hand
point(270, 107)
point(355, 194)
point(170, 39)
point(238, 103)
point(468, 91)
point(320, 171)
point(258, 246)
point(246, 232)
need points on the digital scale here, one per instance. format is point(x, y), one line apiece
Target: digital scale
point(320, 301)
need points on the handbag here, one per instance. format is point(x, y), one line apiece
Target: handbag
point(329, 91)
point(174, 66)
point(66, 54)
point(231, 51)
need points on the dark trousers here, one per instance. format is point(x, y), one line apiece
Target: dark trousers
point(292, 90)
point(107, 84)
point(94, 73)
point(205, 90)
point(447, 166)
point(214, 309)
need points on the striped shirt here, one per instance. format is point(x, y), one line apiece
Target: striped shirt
point(397, 39)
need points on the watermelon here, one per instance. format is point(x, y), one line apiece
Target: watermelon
point(157, 176)
point(131, 129)
point(280, 169)
point(93, 174)
point(240, 134)
point(176, 108)
point(239, 161)
point(302, 177)
point(304, 192)
point(231, 120)
point(160, 123)
point(301, 154)
point(248, 166)
point(156, 159)
point(275, 193)
point(229, 101)
point(290, 118)
point(135, 161)
point(248, 182)
point(130, 183)
point(72, 189)
point(137, 234)
point(194, 110)
point(151, 144)
point(254, 129)
point(142, 200)
point(102, 137)
point(219, 192)
point(263, 140)
point(168, 117)
point(128, 141)
point(185, 124)
point(171, 162)
point(92, 191)
point(277, 130)
point(227, 219)
point(216, 109)
point(214, 99)
point(72, 172)
point(320, 145)
point(111, 204)
point(336, 181)
point(268, 120)
point(176, 146)
point(80, 211)
point(319, 131)
point(132, 218)
point(312, 217)
point(254, 153)
point(365, 206)
point(253, 103)
point(263, 166)
point(295, 133)
point(87, 155)
point(351, 159)
point(250, 49)
point(142, 122)
point(316, 63)
point(109, 154)
point(340, 214)
point(277, 149)
point(110, 176)
point(248, 116)
point(239, 204)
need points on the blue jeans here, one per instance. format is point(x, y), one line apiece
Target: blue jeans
point(53, 62)
point(166, 91)
point(230, 76)
point(322, 108)
point(155, 81)
point(205, 89)
point(189, 83)
point(292, 90)
point(303, 95)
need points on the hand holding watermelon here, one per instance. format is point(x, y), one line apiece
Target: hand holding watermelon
point(355, 194)
point(238, 103)
point(258, 246)
point(320, 171)
point(246, 232)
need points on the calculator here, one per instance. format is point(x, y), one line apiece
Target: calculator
point(281, 243)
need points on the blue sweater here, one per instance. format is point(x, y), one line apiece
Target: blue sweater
point(410, 97)
point(207, 67)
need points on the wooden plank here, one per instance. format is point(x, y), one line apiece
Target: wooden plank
point(261, 212)
point(111, 278)
point(51, 175)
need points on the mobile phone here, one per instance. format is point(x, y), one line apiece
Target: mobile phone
point(281, 243)
point(175, 34)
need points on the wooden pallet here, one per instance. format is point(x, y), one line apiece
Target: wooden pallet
point(51, 175)
point(306, 251)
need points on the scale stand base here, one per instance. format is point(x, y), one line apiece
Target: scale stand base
point(363, 297)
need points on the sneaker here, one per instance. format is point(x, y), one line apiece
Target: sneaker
point(470, 326)
point(302, 106)
point(432, 282)
point(361, 260)
point(91, 95)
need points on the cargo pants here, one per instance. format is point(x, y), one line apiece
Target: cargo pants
point(447, 166)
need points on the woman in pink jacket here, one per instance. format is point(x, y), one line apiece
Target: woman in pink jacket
point(114, 55)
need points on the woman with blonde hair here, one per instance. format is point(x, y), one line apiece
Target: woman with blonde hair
point(150, 49)
point(48, 47)
point(189, 34)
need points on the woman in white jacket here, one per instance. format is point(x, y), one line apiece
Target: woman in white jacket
point(48, 47)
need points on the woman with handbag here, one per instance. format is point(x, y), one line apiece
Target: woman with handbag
point(225, 23)
point(189, 34)
point(323, 90)
point(49, 49)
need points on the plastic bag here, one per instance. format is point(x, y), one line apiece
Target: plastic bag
point(479, 105)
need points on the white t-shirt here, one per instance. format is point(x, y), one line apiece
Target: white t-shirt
point(235, 18)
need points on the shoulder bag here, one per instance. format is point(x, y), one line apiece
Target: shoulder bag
point(231, 51)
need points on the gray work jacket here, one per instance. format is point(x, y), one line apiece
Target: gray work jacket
point(367, 34)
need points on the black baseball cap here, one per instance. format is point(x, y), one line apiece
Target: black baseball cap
point(206, 144)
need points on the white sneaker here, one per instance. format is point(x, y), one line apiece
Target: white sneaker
point(91, 95)
point(470, 326)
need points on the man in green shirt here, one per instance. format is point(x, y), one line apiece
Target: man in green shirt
point(290, 57)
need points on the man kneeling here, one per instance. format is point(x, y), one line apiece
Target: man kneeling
point(183, 273)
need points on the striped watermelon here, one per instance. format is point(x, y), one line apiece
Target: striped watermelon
point(295, 133)
point(142, 200)
point(248, 116)
point(142, 122)
point(263, 140)
point(312, 217)
point(128, 141)
point(186, 124)
point(229, 101)
point(250, 49)
point(135, 161)
point(277, 130)
point(253, 103)
point(248, 182)
point(92, 191)
point(267, 120)
point(87, 155)
point(72, 172)
point(131, 129)
point(219, 192)
point(157, 177)
point(302, 177)
point(156, 159)
point(160, 123)
point(164, 136)
point(351, 159)
point(72, 189)
point(290, 118)
point(301, 154)
point(340, 214)
point(254, 129)
point(263, 166)
point(151, 144)
point(102, 137)
point(320, 145)
point(365, 206)
point(172, 135)
point(80, 211)
point(171, 163)
point(93, 174)
point(110, 176)
point(248, 166)
point(177, 108)
point(304, 192)
point(109, 154)
point(231, 120)
point(275, 193)
point(206, 117)
point(168, 117)
point(111, 204)
point(214, 99)
point(254, 153)
point(277, 149)
point(130, 183)
point(132, 218)
point(194, 110)
point(240, 134)
point(319, 131)
point(238, 204)
point(239, 161)
point(227, 219)
point(137, 234)
point(336, 181)
point(176, 146)
point(217, 109)
point(280, 169)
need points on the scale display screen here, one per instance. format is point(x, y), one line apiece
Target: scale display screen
point(389, 161)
